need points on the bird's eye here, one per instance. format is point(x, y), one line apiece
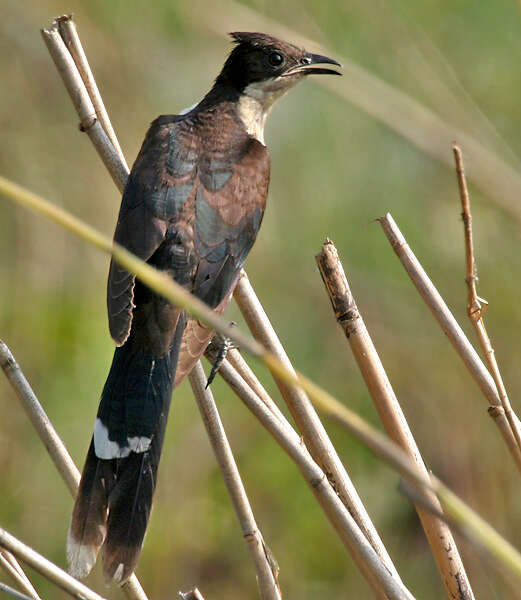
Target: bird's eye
point(276, 59)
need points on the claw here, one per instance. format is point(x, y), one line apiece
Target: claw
point(219, 347)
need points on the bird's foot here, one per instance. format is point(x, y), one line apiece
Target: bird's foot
point(217, 350)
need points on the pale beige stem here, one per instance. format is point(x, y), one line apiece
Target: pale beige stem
point(48, 569)
point(474, 308)
point(265, 566)
point(89, 121)
point(307, 420)
point(349, 318)
point(10, 565)
point(69, 33)
point(369, 563)
point(452, 330)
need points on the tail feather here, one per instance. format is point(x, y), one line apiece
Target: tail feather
point(115, 495)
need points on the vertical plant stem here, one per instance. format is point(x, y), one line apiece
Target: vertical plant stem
point(349, 318)
point(307, 420)
point(265, 567)
point(452, 330)
point(69, 33)
point(474, 308)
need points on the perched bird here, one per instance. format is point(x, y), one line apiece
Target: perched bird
point(192, 207)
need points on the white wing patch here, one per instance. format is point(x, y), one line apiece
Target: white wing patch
point(107, 449)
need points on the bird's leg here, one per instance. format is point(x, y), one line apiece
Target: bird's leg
point(217, 350)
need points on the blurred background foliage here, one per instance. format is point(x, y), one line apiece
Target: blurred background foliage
point(334, 170)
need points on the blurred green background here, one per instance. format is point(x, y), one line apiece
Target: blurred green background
point(335, 168)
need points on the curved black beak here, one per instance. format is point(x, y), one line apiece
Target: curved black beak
point(306, 66)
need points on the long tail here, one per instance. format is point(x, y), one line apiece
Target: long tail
point(119, 477)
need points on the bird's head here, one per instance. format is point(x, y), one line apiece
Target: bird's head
point(265, 67)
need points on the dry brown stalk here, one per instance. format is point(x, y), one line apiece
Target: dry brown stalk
point(52, 441)
point(453, 331)
point(46, 568)
point(265, 566)
point(12, 566)
point(370, 564)
point(307, 420)
point(349, 318)
point(475, 309)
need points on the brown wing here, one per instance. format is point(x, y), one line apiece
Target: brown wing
point(161, 181)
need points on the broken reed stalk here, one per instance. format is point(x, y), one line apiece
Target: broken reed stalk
point(48, 569)
point(52, 441)
point(349, 318)
point(306, 418)
point(12, 566)
point(474, 308)
point(363, 554)
point(265, 566)
point(453, 331)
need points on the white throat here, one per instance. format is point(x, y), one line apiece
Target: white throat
point(256, 102)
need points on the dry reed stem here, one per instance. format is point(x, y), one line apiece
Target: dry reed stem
point(452, 330)
point(14, 593)
point(474, 308)
point(11, 566)
point(45, 567)
point(69, 33)
point(369, 563)
point(265, 567)
point(52, 442)
point(349, 318)
point(89, 121)
point(307, 420)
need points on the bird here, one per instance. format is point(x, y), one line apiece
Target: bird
point(192, 207)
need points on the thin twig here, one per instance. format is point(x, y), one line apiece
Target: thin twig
point(474, 308)
point(369, 563)
point(349, 318)
point(48, 569)
point(52, 441)
point(14, 593)
point(265, 566)
point(307, 420)
point(12, 566)
point(453, 331)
